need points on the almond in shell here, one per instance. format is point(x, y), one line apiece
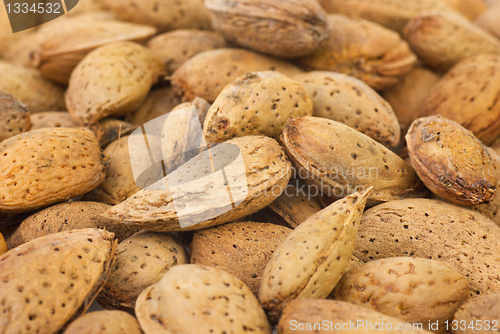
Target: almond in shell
point(285, 29)
point(14, 117)
point(158, 103)
point(362, 49)
point(141, 261)
point(112, 80)
point(451, 161)
point(489, 20)
point(50, 281)
point(196, 299)
point(52, 119)
point(104, 322)
point(46, 166)
point(258, 103)
point(345, 99)
point(483, 309)
point(310, 262)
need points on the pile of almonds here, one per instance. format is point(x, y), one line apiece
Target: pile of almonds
point(252, 166)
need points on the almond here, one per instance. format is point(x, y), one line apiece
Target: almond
point(104, 322)
point(483, 310)
point(14, 117)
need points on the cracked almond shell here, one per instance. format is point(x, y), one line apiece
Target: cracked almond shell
point(258, 103)
point(285, 29)
point(451, 161)
point(469, 94)
point(414, 290)
point(338, 160)
point(50, 281)
point(435, 230)
point(141, 261)
point(112, 80)
point(196, 299)
point(267, 173)
point(362, 49)
point(46, 166)
point(345, 99)
point(312, 259)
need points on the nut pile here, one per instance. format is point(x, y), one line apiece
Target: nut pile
point(252, 166)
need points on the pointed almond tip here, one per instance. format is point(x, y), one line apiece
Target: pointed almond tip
point(361, 196)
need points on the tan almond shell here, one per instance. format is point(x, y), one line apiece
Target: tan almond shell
point(362, 49)
point(177, 46)
point(141, 261)
point(59, 55)
point(104, 322)
point(483, 309)
point(451, 161)
point(52, 119)
point(181, 134)
point(119, 183)
point(471, 9)
point(489, 20)
point(442, 39)
point(345, 99)
point(242, 249)
point(31, 88)
point(258, 103)
point(294, 206)
point(66, 217)
point(158, 103)
point(47, 166)
point(285, 29)
point(435, 230)
point(50, 281)
point(14, 117)
point(206, 74)
point(310, 262)
point(196, 299)
point(392, 14)
point(339, 160)
point(164, 15)
point(467, 95)
point(491, 209)
point(267, 173)
point(112, 80)
point(408, 95)
point(3, 245)
point(414, 290)
point(310, 311)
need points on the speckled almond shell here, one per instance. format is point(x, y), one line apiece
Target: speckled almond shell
point(258, 103)
point(196, 299)
point(104, 322)
point(442, 39)
point(141, 261)
point(177, 46)
point(31, 88)
point(206, 74)
point(52, 119)
point(364, 50)
point(451, 161)
point(338, 159)
point(50, 281)
point(392, 14)
point(469, 95)
point(47, 166)
point(112, 80)
point(267, 172)
point(65, 217)
point(414, 290)
point(14, 117)
point(59, 55)
point(479, 310)
point(345, 99)
point(310, 311)
point(165, 15)
point(285, 29)
point(310, 262)
point(435, 230)
point(242, 249)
